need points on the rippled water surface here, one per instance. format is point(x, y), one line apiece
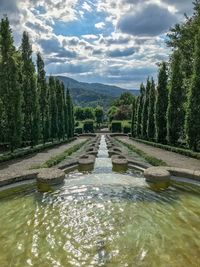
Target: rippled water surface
point(100, 219)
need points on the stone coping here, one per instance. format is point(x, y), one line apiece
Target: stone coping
point(51, 176)
point(157, 174)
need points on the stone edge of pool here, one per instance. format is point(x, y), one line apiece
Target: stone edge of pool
point(152, 174)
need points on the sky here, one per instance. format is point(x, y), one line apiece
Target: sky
point(115, 42)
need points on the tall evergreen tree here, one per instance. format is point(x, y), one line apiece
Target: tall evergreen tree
point(175, 110)
point(193, 116)
point(145, 109)
point(43, 98)
point(66, 115)
point(70, 114)
point(161, 105)
point(60, 106)
point(139, 111)
point(53, 109)
point(133, 118)
point(30, 93)
point(10, 87)
point(151, 112)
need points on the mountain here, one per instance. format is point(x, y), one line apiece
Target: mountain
point(92, 94)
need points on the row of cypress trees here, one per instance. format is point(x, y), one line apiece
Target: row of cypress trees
point(165, 114)
point(32, 109)
point(170, 112)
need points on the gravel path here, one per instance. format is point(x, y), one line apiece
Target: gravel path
point(172, 159)
point(22, 164)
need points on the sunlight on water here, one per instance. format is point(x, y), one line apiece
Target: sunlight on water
point(100, 219)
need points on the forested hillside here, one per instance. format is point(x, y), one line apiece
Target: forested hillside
point(93, 94)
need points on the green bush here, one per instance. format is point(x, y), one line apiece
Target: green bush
point(126, 129)
point(116, 127)
point(88, 126)
point(79, 130)
point(76, 124)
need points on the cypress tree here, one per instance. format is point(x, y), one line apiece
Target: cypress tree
point(139, 111)
point(151, 112)
point(145, 109)
point(133, 118)
point(175, 110)
point(66, 115)
point(193, 116)
point(30, 93)
point(161, 105)
point(43, 98)
point(10, 87)
point(53, 109)
point(70, 114)
point(60, 106)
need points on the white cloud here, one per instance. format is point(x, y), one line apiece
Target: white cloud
point(100, 25)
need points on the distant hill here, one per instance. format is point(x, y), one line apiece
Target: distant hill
point(92, 94)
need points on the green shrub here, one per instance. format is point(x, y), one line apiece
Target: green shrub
point(88, 126)
point(76, 124)
point(116, 127)
point(126, 129)
point(79, 130)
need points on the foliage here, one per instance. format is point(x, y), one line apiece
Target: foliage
point(133, 117)
point(116, 127)
point(161, 105)
point(125, 99)
point(126, 129)
point(152, 160)
point(31, 108)
point(88, 126)
point(78, 130)
point(10, 87)
point(57, 159)
point(139, 110)
point(30, 94)
point(175, 110)
point(182, 151)
point(99, 115)
point(193, 116)
point(151, 112)
point(145, 109)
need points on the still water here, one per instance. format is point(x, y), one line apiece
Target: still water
point(100, 219)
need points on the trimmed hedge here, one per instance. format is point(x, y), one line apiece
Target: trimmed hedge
point(182, 151)
point(116, 127)
point(27, 151)
point(79, 130)
point(126, 129)
point(88, 126)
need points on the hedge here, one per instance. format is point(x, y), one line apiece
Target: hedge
point(182, 151)
point(88, 126)
point(27, 151)
point(79, 130)
point(126, 129)
point(116, 127)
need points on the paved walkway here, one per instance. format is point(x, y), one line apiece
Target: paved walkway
point(22, 164)
point(172, 159)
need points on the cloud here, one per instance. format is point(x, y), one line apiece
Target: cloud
point(150, 21)
point(121, 52)
point(100, 25)
point(53, 46)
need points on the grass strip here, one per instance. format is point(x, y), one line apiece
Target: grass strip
point(150, 159)
point(57, 159)
point(27, 151)
point(178, 150)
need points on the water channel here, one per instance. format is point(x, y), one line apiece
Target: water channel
point(101, 218)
